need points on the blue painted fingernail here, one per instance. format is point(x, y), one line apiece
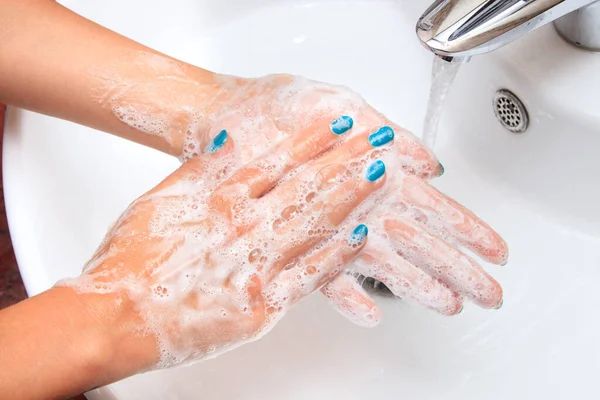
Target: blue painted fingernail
point(500, 305)
point(461, 310)
point(441, 169)
point(381, 136)
point(359, 234)
point(218, 142)
point(342, 125)
point(375, 170)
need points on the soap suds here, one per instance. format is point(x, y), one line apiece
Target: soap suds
point(197, 291)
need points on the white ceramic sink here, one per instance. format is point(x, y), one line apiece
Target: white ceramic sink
point(65, 184)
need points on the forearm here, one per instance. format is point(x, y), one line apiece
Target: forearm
point(55, 62)
point(60, 343)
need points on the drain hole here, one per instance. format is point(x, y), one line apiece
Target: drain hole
point(373, 286)
point(510, 111)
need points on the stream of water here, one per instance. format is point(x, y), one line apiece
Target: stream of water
point(443, 74)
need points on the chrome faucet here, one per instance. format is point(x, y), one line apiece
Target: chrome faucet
point(463, 28)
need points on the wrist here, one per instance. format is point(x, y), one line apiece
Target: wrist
point(158, 101)
point(109, 339)
point(59, 334)
point(199, 101)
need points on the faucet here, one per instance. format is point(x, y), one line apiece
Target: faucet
point(463, 28)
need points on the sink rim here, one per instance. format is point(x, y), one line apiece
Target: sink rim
point(23, 247)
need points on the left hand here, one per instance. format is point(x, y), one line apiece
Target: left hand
point(187, 107)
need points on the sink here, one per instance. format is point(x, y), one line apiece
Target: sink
point(65, 184)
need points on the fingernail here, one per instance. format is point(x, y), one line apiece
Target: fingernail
point(461, 310)
point(500, 305)
point(375, 170)
point(218, 142)
point(381, 136)
point(342, 125)
point(441, 169)
point(359, 234)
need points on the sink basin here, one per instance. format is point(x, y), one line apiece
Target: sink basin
point(65, 184)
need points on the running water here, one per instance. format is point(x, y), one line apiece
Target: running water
point(442, 75)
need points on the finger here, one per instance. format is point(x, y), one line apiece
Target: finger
point(303, 100)
point(412, 155)
point(352, 301)
point(404, 279)
point(303, 224)
point(367, 144)
point(417, 160)
point(253, 136)
point(443, 261)
point(338, 171)
point(449, 219)
point(320, 265)
point(208, 168)
point(262, 174)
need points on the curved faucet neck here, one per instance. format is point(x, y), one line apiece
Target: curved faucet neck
point(463, 28)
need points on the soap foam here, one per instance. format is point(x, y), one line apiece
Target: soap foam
point(194, 290)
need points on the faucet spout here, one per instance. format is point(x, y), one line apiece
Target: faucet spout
point(463, 28)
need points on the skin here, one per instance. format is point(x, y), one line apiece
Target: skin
point(107, 326)
point(230, 296)
point(118, 86)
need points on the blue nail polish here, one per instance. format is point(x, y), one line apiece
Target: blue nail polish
point(375, 170)
point(500, 305)
point(342, 125)
point(218, 142)
point(381, 136)
point(461, 310)
point(359, 234)
point(441, 168)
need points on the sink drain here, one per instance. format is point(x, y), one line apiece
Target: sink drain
point(510, 111)
point(374, 286)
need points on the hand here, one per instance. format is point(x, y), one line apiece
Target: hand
point(258, 113)
point(213, 257)
point(412, 222)
point(187, 107)
point(409, 251)
point(118, 86)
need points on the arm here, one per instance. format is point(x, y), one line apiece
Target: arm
point(54, 61)
point(60, 343)
point(64, 65)
point(156, 294)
